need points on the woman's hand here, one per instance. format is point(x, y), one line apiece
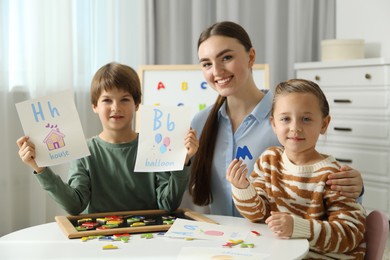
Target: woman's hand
point(348, 182)
point(282, 224)
point(236, 174)
point(27, 153)
point(192, 144)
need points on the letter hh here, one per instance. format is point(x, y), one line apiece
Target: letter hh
point(39, 112)
point(53, 110)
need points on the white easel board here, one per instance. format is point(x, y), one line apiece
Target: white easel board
point(184, 85)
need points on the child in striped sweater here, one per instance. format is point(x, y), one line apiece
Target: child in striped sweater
point(287, 187)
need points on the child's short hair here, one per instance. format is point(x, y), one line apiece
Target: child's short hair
point(301, 86)
point(115, 75)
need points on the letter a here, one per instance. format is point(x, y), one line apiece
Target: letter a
point(160, 86)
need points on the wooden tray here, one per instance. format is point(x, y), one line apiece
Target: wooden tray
point(68, 223)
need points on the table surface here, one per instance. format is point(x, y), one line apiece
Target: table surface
point(47, 241)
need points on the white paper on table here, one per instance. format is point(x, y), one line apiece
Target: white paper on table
point(185, 228)
point(215, 253)
point(52, 123)
point(162, 130)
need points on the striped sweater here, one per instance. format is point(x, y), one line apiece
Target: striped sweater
point(333, 224)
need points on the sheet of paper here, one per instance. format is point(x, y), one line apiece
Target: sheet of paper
point(201, 230)
point(215, 253)
point(53, 125)
point(162, 130)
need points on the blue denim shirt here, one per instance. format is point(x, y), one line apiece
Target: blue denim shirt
point(252, 137)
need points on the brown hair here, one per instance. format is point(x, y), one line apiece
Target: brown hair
point(200, 179)
point(115, 75)
point(301, 86)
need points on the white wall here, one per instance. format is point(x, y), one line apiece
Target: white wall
point(368, 20)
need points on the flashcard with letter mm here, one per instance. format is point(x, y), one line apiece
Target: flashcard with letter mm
point(162, 130)
point(53, 125)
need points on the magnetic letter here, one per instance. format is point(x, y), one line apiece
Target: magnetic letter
point(184, 85)
point(203, 85)
point(243, 152)
point(160, 86)
point(202, 106)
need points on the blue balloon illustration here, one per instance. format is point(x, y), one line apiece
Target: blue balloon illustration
point(158, 138)
point(163, 149)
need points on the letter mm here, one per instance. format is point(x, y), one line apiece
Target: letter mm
point(243, 153)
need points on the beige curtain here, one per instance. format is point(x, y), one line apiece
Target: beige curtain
point(47, 46)
point(282, 32)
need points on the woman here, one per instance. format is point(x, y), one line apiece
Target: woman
point(237, 125)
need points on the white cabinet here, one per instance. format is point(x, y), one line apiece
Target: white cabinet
point(358, 92)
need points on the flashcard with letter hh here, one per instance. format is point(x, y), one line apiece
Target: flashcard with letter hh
point(162, 131)
point(53, 125)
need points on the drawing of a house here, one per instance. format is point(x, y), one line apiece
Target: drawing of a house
point(54, 140)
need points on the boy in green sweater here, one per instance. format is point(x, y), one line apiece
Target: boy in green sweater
point(105, 181)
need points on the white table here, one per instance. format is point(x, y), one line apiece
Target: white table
point(47, 241)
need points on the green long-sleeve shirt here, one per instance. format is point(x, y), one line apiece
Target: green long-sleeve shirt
point(106, 181)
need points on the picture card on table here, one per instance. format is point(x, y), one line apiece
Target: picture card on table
point(201, 230)
point(162, 130)
point(52, 123)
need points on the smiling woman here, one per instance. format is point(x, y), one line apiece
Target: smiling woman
point(239, 120)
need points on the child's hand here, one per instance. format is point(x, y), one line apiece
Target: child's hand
point(27, 153)
point(236, 174)
point(281, 224)
point(192, 144)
